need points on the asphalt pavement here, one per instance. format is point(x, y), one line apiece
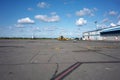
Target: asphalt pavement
point(59, 60)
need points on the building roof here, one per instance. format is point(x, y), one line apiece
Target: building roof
point(111, 29)
point(108, 29)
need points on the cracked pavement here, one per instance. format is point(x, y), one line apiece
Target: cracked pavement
point(44, 59)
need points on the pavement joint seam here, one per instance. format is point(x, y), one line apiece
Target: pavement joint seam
point(31, 60)
point(56, 71)
point(83, 62)
point(51, 58)
point(100, 53)
point(108, 55)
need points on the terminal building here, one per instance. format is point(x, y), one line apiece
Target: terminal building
point(110, 33)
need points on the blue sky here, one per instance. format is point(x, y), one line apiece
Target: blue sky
point(52, 18)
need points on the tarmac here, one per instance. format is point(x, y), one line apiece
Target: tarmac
point(59, 60)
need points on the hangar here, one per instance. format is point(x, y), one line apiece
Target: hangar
point(110, 33)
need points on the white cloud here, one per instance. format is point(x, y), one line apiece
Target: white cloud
point(113, 13)
point(105, 20)
point(118, 17)
point(45, 18)
point(65, 3)
point(103, 26)
point(50, 28)
point(43, 5)
point(95, 9)
point(85, 11)
point(26, 20)
point(99, 26)
point(36, 29)
point(30, 9)
point(118, 22)
point(81, 22)
point(19, 25)
point(68, 15)
point(53, 13)
point(10, 27)
point(112, 24)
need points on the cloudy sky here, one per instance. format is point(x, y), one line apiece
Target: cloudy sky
point(52, 18)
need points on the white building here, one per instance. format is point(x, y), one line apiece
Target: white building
point(111, 33)
point(92, 35)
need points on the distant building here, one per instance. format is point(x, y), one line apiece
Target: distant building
point(111, 33)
